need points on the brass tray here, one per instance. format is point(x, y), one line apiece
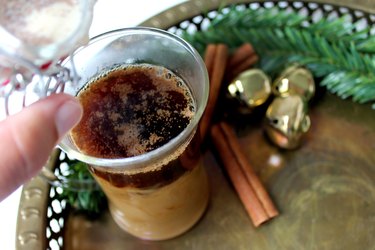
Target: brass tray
point(325, 190)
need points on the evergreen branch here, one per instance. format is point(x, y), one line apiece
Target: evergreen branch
point(333, 50)
point(340, 29)
point(92, 202)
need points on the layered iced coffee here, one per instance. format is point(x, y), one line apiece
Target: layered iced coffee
point(131, 110)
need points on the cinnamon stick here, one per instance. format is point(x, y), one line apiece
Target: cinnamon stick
point(216, 57)
point(209, 57)
point(251, 176)
point(244, 65)
point(240, 54)
point(244, 57)
point(245, 191)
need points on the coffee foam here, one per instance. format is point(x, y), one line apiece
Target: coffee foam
point(128, 133)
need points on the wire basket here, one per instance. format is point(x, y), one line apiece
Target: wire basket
point(42, 214)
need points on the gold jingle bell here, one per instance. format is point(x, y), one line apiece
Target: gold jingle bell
point(295, 80)
point(287, 121)
point(251, 89)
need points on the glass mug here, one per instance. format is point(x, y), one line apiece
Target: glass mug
point(162, 193)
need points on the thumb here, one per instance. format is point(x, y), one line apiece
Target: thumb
point(28, 138)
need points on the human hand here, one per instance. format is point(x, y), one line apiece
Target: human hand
point(27, 138)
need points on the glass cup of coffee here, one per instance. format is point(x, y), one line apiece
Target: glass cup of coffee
point(143, 92)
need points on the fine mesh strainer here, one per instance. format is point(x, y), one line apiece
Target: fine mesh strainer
point(35, 36)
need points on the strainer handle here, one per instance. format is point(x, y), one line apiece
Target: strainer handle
point(47, 174)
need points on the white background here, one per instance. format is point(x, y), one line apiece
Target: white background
point(108, 15)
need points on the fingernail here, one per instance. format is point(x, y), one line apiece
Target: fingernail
point(67, 116)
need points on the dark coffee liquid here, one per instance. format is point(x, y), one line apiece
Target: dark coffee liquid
point(132, 110)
